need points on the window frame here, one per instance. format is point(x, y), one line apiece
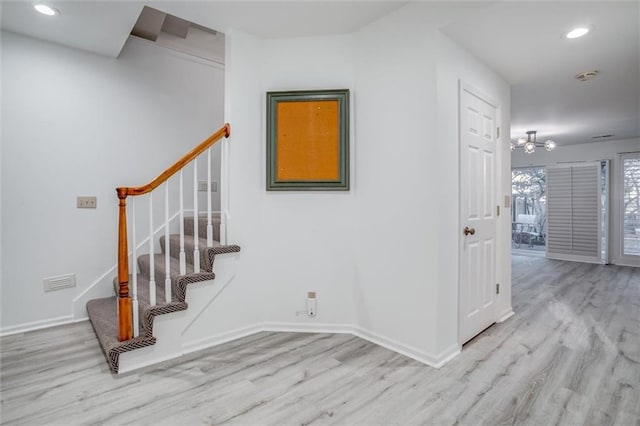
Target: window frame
point(618, 241)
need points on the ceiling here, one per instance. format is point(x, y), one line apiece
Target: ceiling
point(523, 41)
point(100, 27)
point(103, 26)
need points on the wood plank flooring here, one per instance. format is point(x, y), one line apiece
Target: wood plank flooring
point(570, 355)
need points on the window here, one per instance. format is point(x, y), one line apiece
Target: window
point(630, 167)
point(574, 205)
point(529, 210)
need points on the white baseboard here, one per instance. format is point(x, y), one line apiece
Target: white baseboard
point(574, 258)
point(623, 262)
point(300, 327)
point(221, 338)
point(447, 355)
point(435, 361)
point(129, 366)
point(506, 315)
point(39, 325)
point(431, 360)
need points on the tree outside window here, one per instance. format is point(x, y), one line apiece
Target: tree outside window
point(631, 205)
point(529, 195)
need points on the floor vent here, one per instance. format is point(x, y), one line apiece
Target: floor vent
point(59, 282)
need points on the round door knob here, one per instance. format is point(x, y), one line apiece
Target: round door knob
point(469, 231)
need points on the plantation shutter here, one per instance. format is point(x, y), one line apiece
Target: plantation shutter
point(573, 208)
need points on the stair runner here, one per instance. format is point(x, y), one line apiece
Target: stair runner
point(103, 312)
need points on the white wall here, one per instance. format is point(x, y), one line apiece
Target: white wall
point(382, 257)
point(593, 151)
point(455, 65)
point(292, 242)
point(407, 231)
point(396, 245)
point(1, 152)
point(74, 124)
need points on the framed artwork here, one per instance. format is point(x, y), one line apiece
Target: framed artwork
point(308, 140)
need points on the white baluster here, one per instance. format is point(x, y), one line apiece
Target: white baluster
point(167, 247)
point(182, 257)
point(209, 225)
point(134, 281)
point(152, 271)
point(223, 191)
point(196, 240)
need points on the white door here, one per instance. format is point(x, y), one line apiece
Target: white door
point(478, 155)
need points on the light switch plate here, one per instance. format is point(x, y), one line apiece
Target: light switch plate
point(87, 202)
point(202, 186)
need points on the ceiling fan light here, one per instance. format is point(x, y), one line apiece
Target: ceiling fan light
point(513, 146)
point(529, 147)
point(550, 145)
point(522, 140)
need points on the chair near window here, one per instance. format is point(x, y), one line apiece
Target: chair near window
point(525, 229)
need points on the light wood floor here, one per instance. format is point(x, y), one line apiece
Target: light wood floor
point(570, 355)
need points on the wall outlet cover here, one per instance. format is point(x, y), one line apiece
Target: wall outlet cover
point(312, 304)
point(202, 186)
point(87, 202)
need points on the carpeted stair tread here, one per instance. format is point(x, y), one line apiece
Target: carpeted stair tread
point(202, 225)
point(103, 312)
point(103, 315)
point(174, 249)
point(143, 290)
point(144, 263)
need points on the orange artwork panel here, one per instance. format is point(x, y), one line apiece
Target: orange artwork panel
point(308, 146)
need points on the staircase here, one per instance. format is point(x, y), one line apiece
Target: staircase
point(125, 321)
point(103, 312)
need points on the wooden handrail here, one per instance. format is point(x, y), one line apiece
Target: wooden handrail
point(125, 320)
point(224, 131)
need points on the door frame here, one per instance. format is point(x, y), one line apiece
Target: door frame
point(617, 256)
point(500, 245)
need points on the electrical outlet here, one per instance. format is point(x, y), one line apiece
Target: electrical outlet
point(202, 186)
point(312, 304)
point(87, 202)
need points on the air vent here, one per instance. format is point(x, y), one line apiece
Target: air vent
point(587, 75)
point(601, 136)
point(60, 282)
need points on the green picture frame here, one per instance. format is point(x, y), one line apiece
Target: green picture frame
point(308, 140)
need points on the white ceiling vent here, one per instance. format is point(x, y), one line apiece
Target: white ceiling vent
point(59, 282)
point(587, 75)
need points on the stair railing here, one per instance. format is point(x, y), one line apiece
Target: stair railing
point(128, 305)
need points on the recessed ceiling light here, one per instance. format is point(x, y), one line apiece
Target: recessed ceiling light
point(46, 10)
point(577, 32)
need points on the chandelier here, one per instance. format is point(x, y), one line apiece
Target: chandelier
point(529, 143)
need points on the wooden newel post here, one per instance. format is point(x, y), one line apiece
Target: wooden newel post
point(125, 323)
